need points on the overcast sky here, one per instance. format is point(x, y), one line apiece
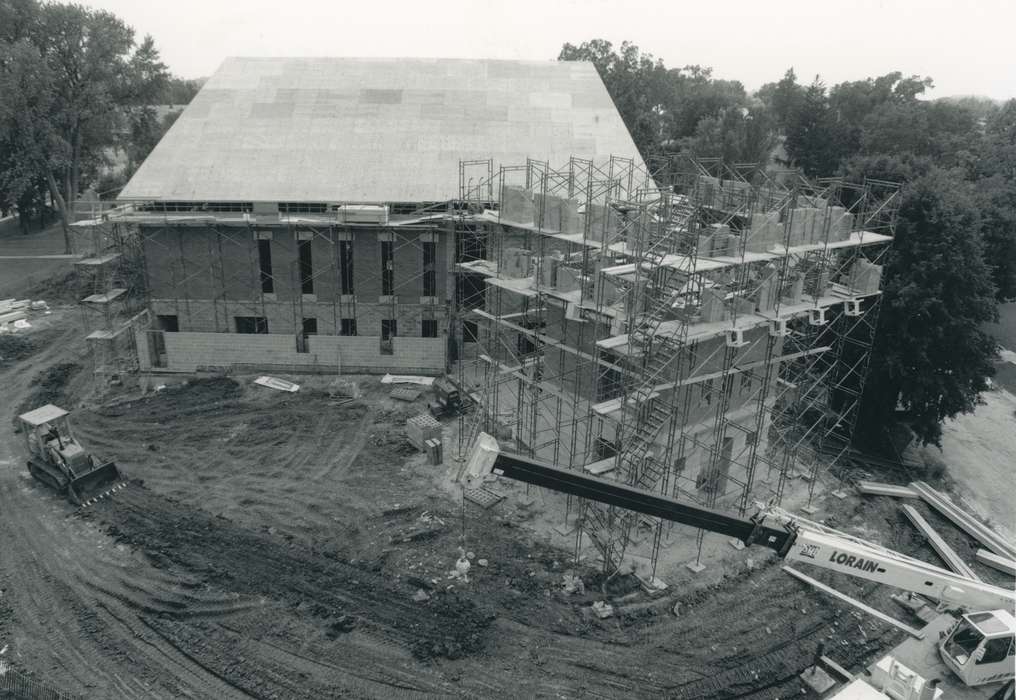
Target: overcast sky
point(967, 47)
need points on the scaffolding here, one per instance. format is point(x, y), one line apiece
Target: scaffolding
point(635, 322)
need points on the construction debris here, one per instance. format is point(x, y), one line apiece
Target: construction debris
point(874, 488)
point(948, 554)
point(602, 609)
point(996, 562)
point(980, 532)
point(277, 384)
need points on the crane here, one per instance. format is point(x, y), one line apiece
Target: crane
point(980, 646)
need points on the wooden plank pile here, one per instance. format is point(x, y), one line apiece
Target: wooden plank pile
point(12, 310)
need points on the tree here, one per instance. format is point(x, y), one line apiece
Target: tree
point(83, 66)
point(930, 358)
point(815, 141)
point(738, 135)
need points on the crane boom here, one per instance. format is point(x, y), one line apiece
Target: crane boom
point(794, 541)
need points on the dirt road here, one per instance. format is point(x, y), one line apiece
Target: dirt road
point(294, 546)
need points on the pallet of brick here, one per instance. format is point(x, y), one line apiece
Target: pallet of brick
point(421, 428)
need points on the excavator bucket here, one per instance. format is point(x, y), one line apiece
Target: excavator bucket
point(100, 480)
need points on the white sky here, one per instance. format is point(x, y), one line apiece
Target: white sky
point(967, 47)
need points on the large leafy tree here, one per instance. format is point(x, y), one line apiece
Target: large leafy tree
point(931, 360)
point(71, 77)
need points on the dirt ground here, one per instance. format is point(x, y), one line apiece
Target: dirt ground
point(276, 545)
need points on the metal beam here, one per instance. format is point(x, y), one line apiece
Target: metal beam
point(613, 493)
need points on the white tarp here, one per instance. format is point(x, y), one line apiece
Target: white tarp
point(280, 384)
point(406, 379)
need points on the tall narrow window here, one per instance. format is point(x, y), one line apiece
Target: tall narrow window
point(429, 328)
point(387, 269)
point(306, 267)
point(389, 328)
point(429, 273)
point(347, 326)
point(265, 265)
point(346, 266)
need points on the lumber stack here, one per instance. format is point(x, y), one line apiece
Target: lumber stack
point(966, 522)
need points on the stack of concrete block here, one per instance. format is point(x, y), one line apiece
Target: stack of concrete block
point(766, 231)
point(435, 451)
point(709, 190)
point(765, 295)
point(608, 288)
point(803, 222)
point(568, 278)
point(602, 222)
point(865, 277)
point(546, 272)
point(554, 213)
point(571, 220)
point(841, 224)
point(516, 263)
point(793, 289)
point(743, 306)
point(517, 205)
point(713, 308)
point(735, 193)
point(421, 428)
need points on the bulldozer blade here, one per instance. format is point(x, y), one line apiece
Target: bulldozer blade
point(96, 484)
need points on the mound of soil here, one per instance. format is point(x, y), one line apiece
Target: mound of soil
point(49, 386)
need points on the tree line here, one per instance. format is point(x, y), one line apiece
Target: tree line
point(78, 92)
point(954, 256)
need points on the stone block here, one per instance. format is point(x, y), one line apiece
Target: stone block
point(516, 263)
point(713, 308)
point(602, 222)
point(568, 279)
point(517, 205)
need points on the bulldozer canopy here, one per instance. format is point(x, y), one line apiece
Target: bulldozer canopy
point(42, 415)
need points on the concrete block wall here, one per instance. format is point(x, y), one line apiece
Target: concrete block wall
point(187, 352)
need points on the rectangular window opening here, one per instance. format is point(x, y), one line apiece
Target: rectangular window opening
point(389, 329)
point(429, 329)
point(251, 324)
point(470, 332)
point(387, 269)
point(346, 267)
point(310, 326)
point(265, 266)
point(169, 323)
point(429, 272)
point(306, 267)
point(347, 326)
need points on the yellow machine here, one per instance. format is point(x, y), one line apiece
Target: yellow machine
point(57, 459)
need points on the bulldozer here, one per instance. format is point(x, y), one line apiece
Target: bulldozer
point(56, 458)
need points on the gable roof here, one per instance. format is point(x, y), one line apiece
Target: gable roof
point(374, 130)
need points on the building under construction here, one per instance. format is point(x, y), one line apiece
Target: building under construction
point(698, 329)
point(691, 327)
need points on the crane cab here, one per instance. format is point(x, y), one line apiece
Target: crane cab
point(981, 647)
